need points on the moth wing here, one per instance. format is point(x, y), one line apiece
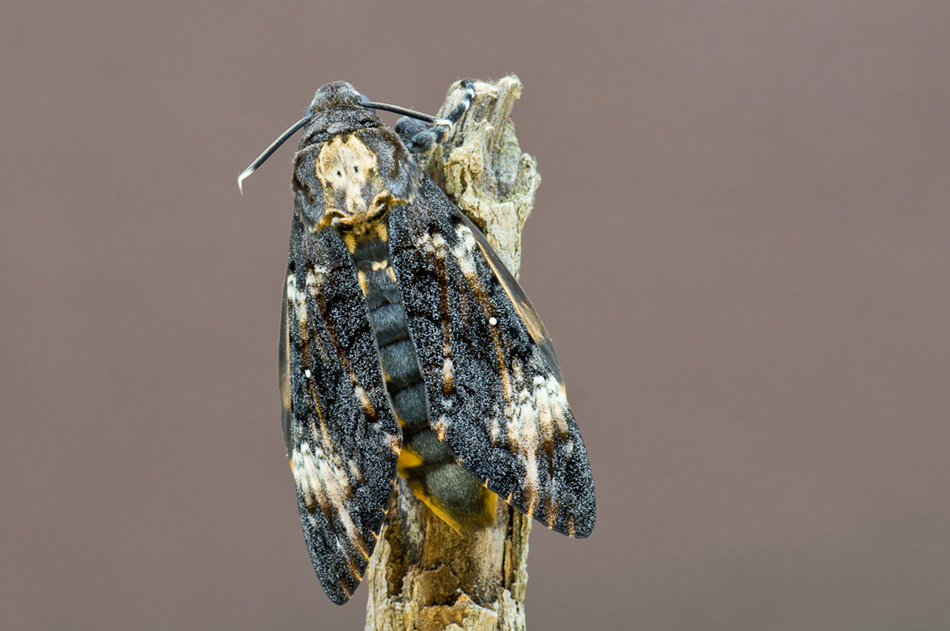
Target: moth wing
point(343, 439)
point(495, 392)
point(529, 316)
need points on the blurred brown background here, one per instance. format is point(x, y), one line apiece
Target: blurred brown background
point(741, 247)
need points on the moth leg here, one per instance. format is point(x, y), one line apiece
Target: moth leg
point(420, 137)
point(459, 110)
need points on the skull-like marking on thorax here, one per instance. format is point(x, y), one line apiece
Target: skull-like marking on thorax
point(349, 173)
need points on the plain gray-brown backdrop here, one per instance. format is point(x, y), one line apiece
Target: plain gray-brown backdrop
point(741, 246)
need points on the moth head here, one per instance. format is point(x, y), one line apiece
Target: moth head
point(353, 176)
point(341, 129)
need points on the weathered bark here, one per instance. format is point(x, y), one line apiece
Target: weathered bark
point(423, 575)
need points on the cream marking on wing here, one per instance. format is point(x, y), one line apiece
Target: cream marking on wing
point(298, 299)
point(557, 402)
point(537, 412)
point(463, 251)
point(307, 373)
point(493, 430)
point(492, 321)
point(523, 438)
point(424, 242)
point(354, 470)
point(322, 477)
point(531, 484)
point(315, 278)
point(394, 443)
point(299, 303)
point(447, 370)
point(440, 427)
point(543, 404)
point(362, 397)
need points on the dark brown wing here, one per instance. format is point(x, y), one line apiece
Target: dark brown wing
point(495, 392)
point(342, 437)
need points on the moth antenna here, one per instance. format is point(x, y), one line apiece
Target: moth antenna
point(395, 109)
point(271, 149)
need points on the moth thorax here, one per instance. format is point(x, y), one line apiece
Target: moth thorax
point(353, 190)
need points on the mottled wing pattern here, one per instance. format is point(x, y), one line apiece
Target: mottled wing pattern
point(519, 299)
point(342, 437)
point(495, 392)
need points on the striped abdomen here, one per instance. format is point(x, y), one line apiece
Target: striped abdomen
point(425, 462)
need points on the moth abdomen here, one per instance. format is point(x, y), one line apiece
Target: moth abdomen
point(426, 447)
point(389, 324)
point(434, 476)
point(410, 405)
point(454, 494)
point(400, 365)
point(428, 466)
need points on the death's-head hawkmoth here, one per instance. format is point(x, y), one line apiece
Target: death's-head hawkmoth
point(408, 348)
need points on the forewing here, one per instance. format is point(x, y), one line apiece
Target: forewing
point(495, 391)
point(342, 437)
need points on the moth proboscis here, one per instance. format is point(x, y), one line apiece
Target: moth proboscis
point(408, 349)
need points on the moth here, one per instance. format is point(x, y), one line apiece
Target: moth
point(408, 349)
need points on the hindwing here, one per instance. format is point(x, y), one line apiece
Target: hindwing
point(342, 437)
point(495, 392)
